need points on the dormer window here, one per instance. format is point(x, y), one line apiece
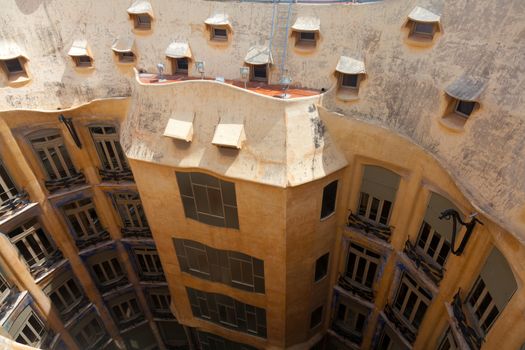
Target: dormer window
point(306, 32)
point(13, 61)
point(422, 25)
point(141, 13)
point(179, 54)
point(79, 52)
point(123, 47)
point(463, 97)
point(258, 59)
point(350, 72)
point(219, 27)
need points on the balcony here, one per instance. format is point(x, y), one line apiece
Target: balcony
point(13, 204)
point(163, 315)
point(48, 265)
point(116, 175)
point(470, 335)
point(126, 325)
point(432, 271)
point(65, 182)
point(346, 334)
point(113, 286)
point(369, 228)
point(136, 232)
point(348, 285)
point(92, 241)
point(159, 278)
point(405, 331)
point(75, 311)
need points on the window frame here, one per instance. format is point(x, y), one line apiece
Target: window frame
point(154, 262)
point(313, 317)
point(8, 187)
point(367, 255)
point(215, 37)
point(323, 274)
point(27, 325)
point(352, 87)
point(33, 228)
point(479, 321)
point(458, 102)
point(126, 57)
point(136, 219)
point(53, 142)
point(254, 77)
point(142, 21)
point(59, 294)
point(414, 33)
point(413, 287)
point(329, 204)
point(111, 262)
point(432, 235)
point(83, 215)
point(105, 142)
point(84, 61)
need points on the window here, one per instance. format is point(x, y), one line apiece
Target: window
point(321, 267)
point(181, 65)
point(66, 296)
point(228, 312)
point(83, 218)
point(329, 196)
point(88, 334)
point(208, 199)
point(55, 159)
point(149, 262)
point(126, 57)
point(362, 266)
point(83, 61)
point(448, 342)
point(14, 67)
point(307, 37)
point(316, 317)
point(108, 271)
point(378, 192)
point(350, 80)
point(160, 300)
point(4, 289)
point(142, 21)
point(32, 333)
point(130, 210)
point(32, 243)
point(208, 341)
point(388, 340)
point(411, 301)
point(7, 187)
point(260, 72)
point(232, 268)
point(464, 108)
point(350, 320)
point(423, 30)
point(219, 34)
point(126, 310)
point(108, 147)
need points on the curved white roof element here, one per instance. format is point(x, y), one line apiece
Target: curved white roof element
point(307, 24)
point(141, 7)
point(349, 65)
point(259, 54)
point(178, 50)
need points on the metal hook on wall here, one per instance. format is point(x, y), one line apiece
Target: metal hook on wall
point(68, 122)
point(456, 217)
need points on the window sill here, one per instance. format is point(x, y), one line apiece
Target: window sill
point(305, 46)
point(84, 69)
point(18, 80)
point(453, 122)
point(420, 41)
point(324, 218)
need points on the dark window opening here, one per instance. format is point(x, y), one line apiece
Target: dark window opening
point(316, 317)
point(219, 34)
point(350, 80)
point(307, 36)
point(182, 65)
point(259, 72)
point(321, 267)
point(83, 61)
point(465, 108)
point(13, 66)
point(329, 197)
point(126, 56)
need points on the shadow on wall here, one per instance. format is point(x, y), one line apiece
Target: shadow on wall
point(28, 6)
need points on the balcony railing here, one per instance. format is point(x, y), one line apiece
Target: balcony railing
point(351, 336)
point(9, 302)
point(99, 344)
point(153, 278)
point(163, 314)
point(116, 175)
point(347, 285)
point(433, 272)
point(88, 242)
point(70, 314)
point(39, 270)
point(15, 203)
point(473, 339)
point(65, 182)
point(114, 285)
point(48, 339)
point(132, 323)
point(406, 331)
point(136, 232)
point(380, 231)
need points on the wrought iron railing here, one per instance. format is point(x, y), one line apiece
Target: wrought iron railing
point(473, 339)
point(47, 265)
point(65, 182)
point(347, 285)
point(66, 316)
point(354, 338)
point(434, 272)
point(136, 232)
point(380, 231)
point(15, 203)
point(406, 331)
point(88, 242)
point(153, 278)
point(116, 175)
point(163, 314)
point(114, 285)
point(104, 338)
point(128, 324)
point(9, 302)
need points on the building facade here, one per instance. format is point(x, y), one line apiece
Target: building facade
point(292, 176)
